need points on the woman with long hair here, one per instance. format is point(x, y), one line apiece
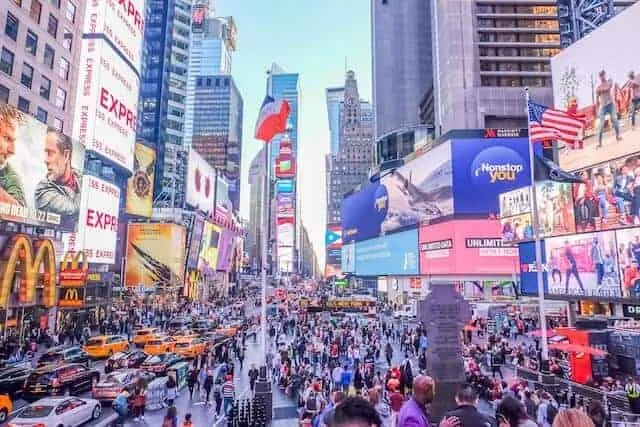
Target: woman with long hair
point(511, 413)
point(572, 418)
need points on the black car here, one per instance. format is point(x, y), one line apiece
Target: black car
point(64, 355)
point(159, 363)
point(12, 380)
point(128, 359)
point(201, 326)
point(54, 380)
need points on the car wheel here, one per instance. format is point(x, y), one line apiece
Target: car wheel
point(4, 414)
point(67, 392)
point(110, 353)
point(97, 411)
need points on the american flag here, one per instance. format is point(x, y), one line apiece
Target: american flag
point(546, 124)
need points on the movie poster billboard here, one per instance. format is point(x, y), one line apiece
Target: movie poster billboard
point(600, 83)
point(98, 225)
point(583, 264)
point(140, 185)
point(196, 238)
point(41, 173)
point(148, 262)
point(515, 202)
point(201, 183)
point(517, 228)
point(225, 250)
point(607, 198)
point(555, 208)
point(208, 256)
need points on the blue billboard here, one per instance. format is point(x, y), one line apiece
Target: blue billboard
point(528, 275)
point(421, 190)
point(284, 186)
point(390, 255)
point(485, 167)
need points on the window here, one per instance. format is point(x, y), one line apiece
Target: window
point(41, 115)
point(6, 61)
point(4, 94)
point(52, 26)
point(67, 38)
point(63, 69)
point(31, 43)
point(56, 3)
point(61, 98)
point(45, 88)
point(49, 56)
point(11, 27)
point(27, 75)
point(58, 124)
point(36, 10)
point(71, 11)
point(23, 105)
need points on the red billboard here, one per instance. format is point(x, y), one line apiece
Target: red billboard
point(469, 247)
point(285, 163)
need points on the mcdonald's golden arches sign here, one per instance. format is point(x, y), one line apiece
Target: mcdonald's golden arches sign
point(71, 297)
point(30, 257)
point(74, 269)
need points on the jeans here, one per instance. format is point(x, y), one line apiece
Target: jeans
point(609, 109)
point(635, 103)
point(604, 205)
point(599, 272)
point(228, 401)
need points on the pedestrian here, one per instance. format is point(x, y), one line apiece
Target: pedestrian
point(171, 418)
point(192, 382)
point(228, 393)
point(171, 390)
point(139, 399)
point(208, 384)
point(253, 376)
point(121, 406)
point(217, 396)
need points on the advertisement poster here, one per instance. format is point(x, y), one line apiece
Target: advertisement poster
point(222, 195)
point(583, 264)
point(628, 243)
point(225, 250)
point(608, 199)
point(41, 173)
point(285, 206)
point(98, 225)
point(285, 163)
point(517, 228)
point(284, 186)
point(286, 232)
point(106, 107)
point(148, 261)
point(515, 202)
point(331, 270)
point(393, 254)
point(208, 257)
point(485, 168)
point(605, 99)
point(466, 247)
point(201, 183)
point(348, 258)
point(140, 185)
point(285, 259)
point(196, 239)
point(333, 244)
point(528, 274)
point(555, 208)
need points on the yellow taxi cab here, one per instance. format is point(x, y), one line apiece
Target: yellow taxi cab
point(190, 348)
point(160, 345)
point(6, 407)
point(141, 336)
point(105, 345)
point(185, 335)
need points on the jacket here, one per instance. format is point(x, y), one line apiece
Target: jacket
point(412, 415)
point(469, 416)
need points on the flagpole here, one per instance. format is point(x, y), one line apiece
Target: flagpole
point(265, 252)
point(537, 243)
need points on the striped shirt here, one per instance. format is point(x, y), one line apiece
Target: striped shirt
point(228, 390)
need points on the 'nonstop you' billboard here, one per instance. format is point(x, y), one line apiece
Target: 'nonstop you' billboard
point(460, 177)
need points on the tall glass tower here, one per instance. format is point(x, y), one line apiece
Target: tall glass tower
point(335, 99)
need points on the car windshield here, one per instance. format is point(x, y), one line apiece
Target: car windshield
point(156, 359)
point(114, 378)
point(95, 342)
point(154, 342)
point(36, 411)
point(182, 345)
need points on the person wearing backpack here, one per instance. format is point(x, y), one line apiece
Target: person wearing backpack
point(121, 406)
point(311, 405)
point(547, 410)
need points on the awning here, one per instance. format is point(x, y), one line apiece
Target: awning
point(577, 348)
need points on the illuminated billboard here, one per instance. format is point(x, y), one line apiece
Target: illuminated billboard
point(201, 183)
point(98, 226)
point(140, 185)
point(208, 257)
point(106, 107)
point(285, 163)
point(284, 186)
point(40, 172)
point(333, 244)
point(285, 206)
point(592, 79)
point(148, 262)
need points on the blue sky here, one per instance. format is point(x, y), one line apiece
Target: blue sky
point(312, 38)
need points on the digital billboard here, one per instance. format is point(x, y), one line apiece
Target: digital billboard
point(284, 186)
point(348, 258)
point(392, 254)
point(222, 195)
point(517, 228)
point(98, 224)
point(286, 231)
point(201, 183)
point(485, 168)
point(419, 191)
point(40, 172)
point(140, 185)
point(594, 80)
point(194, 242)
point(106, 107)
point(333, 244)
point(515, 202)
point(607, 198)
point(466, 247)
point(628, 244)
point(555, 208)
point(208, 257)
point(528, 274)
point(225, 250)
point(285, 163)
point(285, 259)
point(148, 262)
point(285, 206)
point(332, 270)
point(583, 264)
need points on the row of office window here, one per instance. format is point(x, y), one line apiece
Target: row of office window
point(24, 105)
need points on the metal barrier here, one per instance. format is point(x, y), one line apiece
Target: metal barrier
point(248, 412)
point(156, 393)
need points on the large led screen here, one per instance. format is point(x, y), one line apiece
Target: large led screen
point(201, 183)
point(208, 257)
point(140, 185)
point(393, 254)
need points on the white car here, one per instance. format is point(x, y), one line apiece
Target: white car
point(58, 412)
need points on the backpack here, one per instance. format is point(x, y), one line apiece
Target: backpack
point(311, 404)
point(552, 411)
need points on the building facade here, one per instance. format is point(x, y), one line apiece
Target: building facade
point(485, 53)
point(402, 63)
point(335, 97)
point(217, 128)
point(39, 57)
point(253, 244)
point(349, 167)
point(309, 266)
point(163, 94)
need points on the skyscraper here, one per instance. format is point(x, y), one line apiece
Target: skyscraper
point(255, 230)
point(402, 62)
point(335, 97)
point(39, 57)
point(163, 93)
point(485, 53)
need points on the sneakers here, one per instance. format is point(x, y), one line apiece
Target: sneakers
point(135, 420)
point(142, 417)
